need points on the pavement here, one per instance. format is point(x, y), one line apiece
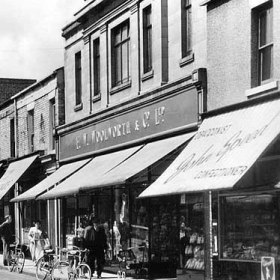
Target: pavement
point(30, 269)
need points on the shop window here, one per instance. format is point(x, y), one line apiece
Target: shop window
point(78, 78)
point(186, 28)
point(191, 233)
point(265, 44)
point(120, 54)
point(96, 67)
point(12, 138)
point(139, 225)
point(147, 39)
point(30, 129)
point(250, 226)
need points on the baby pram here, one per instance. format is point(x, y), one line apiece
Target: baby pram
point(128, 261)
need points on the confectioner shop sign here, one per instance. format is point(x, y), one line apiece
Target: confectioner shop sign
point(166, 114)
point(222, 151)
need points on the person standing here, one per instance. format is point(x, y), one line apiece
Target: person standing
point(95, 241)
point(38, 241)
point(6, 236)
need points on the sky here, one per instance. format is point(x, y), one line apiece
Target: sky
point(31, 45)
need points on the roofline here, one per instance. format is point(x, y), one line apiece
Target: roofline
point(84, 10)
point(37, 83)
point(240, 105)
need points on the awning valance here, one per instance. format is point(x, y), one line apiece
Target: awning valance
point(53, 179)
point(86, 175)
point(143, 158)
point(13, 173)
point(116, 168)
point(222, 151)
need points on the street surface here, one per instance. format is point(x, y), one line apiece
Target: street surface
point(7, 275)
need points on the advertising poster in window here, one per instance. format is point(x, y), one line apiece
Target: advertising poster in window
point(268, 268)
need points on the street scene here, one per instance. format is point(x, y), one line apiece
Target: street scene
point(140, 139)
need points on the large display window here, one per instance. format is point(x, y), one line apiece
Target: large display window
point(249, 227)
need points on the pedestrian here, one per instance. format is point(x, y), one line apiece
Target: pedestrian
point(38, 241)
point(95, 241)
point(6, 237)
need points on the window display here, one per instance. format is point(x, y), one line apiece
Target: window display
point(191, 232)
point(250, 226)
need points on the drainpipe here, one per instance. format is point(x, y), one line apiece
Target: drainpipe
point(18, 223)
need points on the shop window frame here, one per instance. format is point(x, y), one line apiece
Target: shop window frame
point(221, 196)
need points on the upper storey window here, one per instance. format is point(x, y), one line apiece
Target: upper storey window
point(147, 39)
point(120, 54)
point(30, 130)
point(186, 28)
point(78, 78)
point(96, 67)
point(265, 44)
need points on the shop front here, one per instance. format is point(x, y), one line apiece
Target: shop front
point(124, 154)
point(232, 163)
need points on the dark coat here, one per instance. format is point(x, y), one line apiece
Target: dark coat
point(95, 239)
point(6, 232)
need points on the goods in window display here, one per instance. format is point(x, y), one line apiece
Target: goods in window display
point(253, 229)
point(194, 252)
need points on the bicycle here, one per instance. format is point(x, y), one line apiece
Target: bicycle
point(50, 266)
point(16, 257)
point(78, 269)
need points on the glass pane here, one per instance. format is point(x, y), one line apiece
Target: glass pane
point(117, 65)
point(250, 227)
point(124, 32)
point(188, 29)
point(265, 22)
point(125, 61)
point(117, 38)
point(269, 35)
point(266, 63)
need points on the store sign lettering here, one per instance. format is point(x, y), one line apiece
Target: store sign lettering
point(175, 111)
point(121, 129)
point(196, 159)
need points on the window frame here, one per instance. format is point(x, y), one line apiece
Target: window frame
point(267, 11)
point(52, 123)
point(78, 78)
point(186, 28)
point(96, 67)
point(117, 67)
point(147, 39)
point(30, 129)
point(12, 138)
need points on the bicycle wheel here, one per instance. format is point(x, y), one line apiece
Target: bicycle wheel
point(83, 271)
point(42, 269)
point(60, 271)
point(20, 261)
point(11, 261)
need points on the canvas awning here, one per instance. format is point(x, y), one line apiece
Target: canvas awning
point(86, 175)
point(116, 168)
point(222, 151)
point(13, 173)
point(143, 158)
point(53, 179)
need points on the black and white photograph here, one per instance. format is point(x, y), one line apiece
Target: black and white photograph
point(140, 139)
